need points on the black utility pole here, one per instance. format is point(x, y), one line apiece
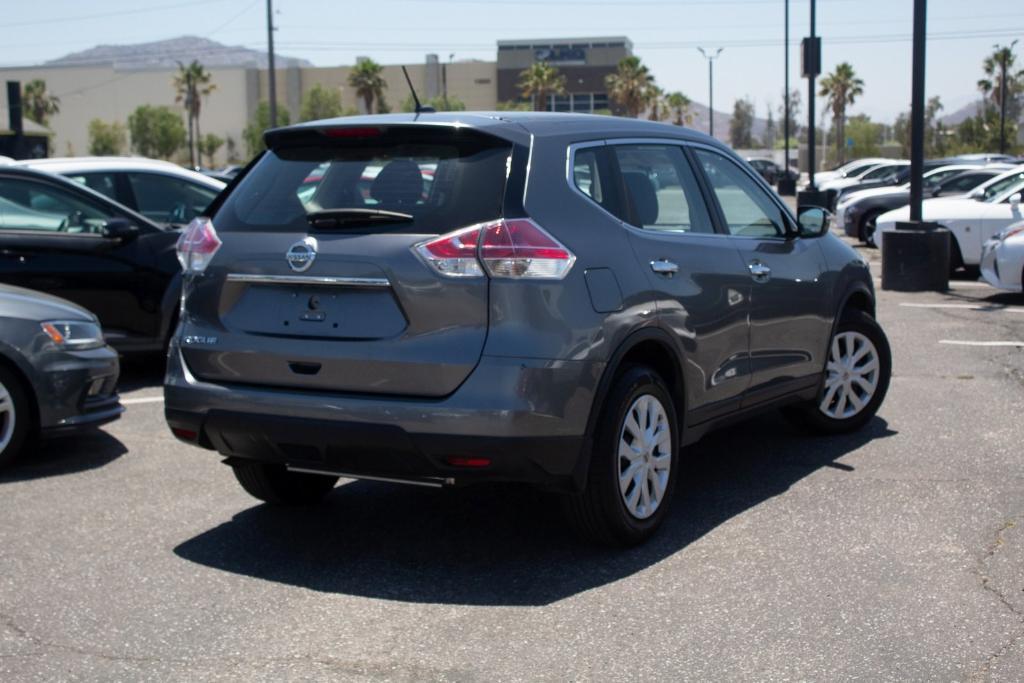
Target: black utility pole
point(811, 70)
point(272, 73)
point(785, 124)
point(711, 87)
point(1005, 52)
point(917, 112)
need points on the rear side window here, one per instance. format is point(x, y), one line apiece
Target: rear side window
point(101, 182)
point(444, 179)
point(661, 189)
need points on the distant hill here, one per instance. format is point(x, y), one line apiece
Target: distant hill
point(722, 119)
point(165, 54)
point(958, 116)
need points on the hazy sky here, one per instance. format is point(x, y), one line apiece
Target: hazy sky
point(873, 35)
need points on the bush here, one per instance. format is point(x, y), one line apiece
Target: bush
point(156, 131)
point(107, 139)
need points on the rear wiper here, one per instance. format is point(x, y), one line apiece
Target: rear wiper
point(339, 218)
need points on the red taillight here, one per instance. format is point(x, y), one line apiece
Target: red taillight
point(197, 245)
point(456, 461)
point(184, 434)
point(520, 248)
point(454, 254)
point(514, 248)
point(363, 132)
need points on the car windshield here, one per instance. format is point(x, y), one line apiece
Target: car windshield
point(991, 192)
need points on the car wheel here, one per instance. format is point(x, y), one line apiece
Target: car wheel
point(276, 484)
point(956, 257)
point(634, 461)
point(856, 378)
point(15, 416)
point(867, 227)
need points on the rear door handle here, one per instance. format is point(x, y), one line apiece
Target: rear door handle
point(663, 267)
point(759, 271)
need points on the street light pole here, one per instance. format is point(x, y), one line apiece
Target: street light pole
point(711, 87)
point(917, 112)
point(810, 102)
point(785, 124)
point(271, 73)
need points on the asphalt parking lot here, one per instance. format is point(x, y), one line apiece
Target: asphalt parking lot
point(893, 554)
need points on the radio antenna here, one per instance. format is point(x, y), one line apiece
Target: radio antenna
point(420, 109)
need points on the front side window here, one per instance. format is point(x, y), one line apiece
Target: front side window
point(661, 189)
point(1001, 185)
point(30, 205)
point(747, 209)
point(167, 199)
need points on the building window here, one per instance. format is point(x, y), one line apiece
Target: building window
point(600, 101)
point(581, 102)
point(563, 103)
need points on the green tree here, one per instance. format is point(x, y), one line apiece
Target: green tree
point(192, 83)
point(980, 133)
point(658, 109)
point(630, 85)
point(232, 150)
point(794, 115)
point(208, 146)
point(512, 105)
point(539, 82)
point(842, 88)
point(935, 133)
point(866, 135)
point(107, 139)
point(679, 105)
point(741, 125)
point(368, 82)
point(320, 103)
point(770, 131)
point(39, 105)
point(156, 131)
point(998, 68)
point(253, 133)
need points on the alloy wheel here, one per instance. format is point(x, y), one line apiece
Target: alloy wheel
point(853, 372)
point(645, 456)
point(7, 417)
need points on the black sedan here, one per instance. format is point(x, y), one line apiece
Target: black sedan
point(57, 375)
point(60, 237)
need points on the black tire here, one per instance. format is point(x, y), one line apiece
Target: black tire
point(275, 484)
point(866, 232)
point(811, 416)
point(956, 257)
point(16, 420)
point(600, 512)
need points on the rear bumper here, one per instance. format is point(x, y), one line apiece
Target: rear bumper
point(525, 417)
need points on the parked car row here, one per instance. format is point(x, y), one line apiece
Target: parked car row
point(99, 233)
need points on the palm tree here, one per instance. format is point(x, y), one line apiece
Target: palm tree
point(679, 105)
point(539, 82)
point(366, 78)
point(841, 87)
point(630, 85)
point(656, 101)
point(192, 83)
point(999, 67)
point(38, 105)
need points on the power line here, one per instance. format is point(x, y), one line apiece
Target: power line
point(103, 15)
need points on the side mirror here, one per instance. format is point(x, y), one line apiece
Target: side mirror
point(1015, 200)
point(814, 221)
point(120, 229)
point(977, 194)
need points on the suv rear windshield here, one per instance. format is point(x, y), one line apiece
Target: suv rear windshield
point(444, 179)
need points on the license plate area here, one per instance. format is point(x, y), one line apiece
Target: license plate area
point(316, 311)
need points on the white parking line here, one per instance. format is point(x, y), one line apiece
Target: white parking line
point(970, 307)
point(956, 284)
point(141, 399)
point(959, 342)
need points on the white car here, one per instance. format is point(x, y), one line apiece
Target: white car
point(850, 168)
point(972, 220)
point(1002, 259)
point(160, 190)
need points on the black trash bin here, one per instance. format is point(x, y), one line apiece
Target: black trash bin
point(915, 258)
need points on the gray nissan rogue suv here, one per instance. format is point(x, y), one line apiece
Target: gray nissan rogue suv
point(557, 299)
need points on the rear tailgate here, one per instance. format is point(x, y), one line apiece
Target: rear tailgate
point(364, 313)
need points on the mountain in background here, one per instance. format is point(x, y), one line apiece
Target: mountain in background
point(722, 119)
point(958, 116)
point(165, 54)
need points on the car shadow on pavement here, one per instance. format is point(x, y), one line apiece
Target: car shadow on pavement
point(504, 545)
point(64, 455)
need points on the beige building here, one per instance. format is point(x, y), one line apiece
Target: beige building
point(112, 94)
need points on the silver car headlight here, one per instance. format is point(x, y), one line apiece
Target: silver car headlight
point(74, 335)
